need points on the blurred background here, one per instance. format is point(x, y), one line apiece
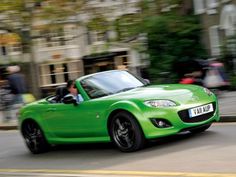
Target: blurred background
point(165, 41)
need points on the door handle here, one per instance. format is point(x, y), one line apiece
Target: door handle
point(51, 109)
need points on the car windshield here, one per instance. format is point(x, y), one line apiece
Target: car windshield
point(108, 83)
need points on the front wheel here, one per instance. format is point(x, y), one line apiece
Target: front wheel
point(34, 138)
point(126, 133)
point(200, 129)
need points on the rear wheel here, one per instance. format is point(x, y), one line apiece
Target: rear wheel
point(126, 133)
point(34, 138)
point(200, 129)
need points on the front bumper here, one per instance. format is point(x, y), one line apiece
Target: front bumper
point(177, 117)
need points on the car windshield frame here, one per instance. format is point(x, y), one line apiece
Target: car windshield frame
point(109, 83)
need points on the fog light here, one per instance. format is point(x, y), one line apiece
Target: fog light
point(161, 123)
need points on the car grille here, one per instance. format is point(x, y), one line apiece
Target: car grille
point(184, 115)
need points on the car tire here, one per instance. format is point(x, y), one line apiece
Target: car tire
point(34, 138)
point(200, 129)
point(126, 133)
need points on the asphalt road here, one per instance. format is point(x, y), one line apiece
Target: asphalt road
point(212, 153)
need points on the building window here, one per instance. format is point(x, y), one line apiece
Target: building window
point(211, 4)
point(59, 73)
point(228, 19)
point(98, 36)
point(70, 34)
point(15, 47)
point(214, 40)
point(40, 42)
point(53, 38)
point(3, 50)
point(199, 7)
point(101, 36)
point(122, 62)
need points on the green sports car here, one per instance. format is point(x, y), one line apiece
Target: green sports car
point(119, 107)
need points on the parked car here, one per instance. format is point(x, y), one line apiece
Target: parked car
point(117, 107)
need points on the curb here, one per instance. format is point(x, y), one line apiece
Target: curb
point(223, 118)
point(227, 118)
point(8, 127)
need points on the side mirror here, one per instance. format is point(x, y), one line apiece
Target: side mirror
point(147, 82)
point(69, 100)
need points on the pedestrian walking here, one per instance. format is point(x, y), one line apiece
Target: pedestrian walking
point(6, 99)
point(216, 77)
point(17, 83)
point(17, 86)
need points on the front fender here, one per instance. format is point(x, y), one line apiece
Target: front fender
point(128, 106)
point(31, 115)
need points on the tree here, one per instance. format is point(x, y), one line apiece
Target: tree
point(173, 35)
point(20, 16)
point(172, 38)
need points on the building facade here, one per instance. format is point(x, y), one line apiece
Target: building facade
point(75, 49)
point(10, 47)
point(218, 18)
point(78, 47)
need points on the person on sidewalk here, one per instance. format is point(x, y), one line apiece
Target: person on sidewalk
point(6, 99)
point(216, 78)
point(17, 85)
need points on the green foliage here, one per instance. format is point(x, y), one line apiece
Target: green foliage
point(9, 5)
point(21, 14)
point(126, 26)
point(172, 38)
point(98, 23)
point(233, 82)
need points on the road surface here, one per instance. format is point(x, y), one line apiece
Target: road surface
point(212, 153)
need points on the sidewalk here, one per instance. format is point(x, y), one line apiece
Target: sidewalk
point(11, 125)
point(227, 102)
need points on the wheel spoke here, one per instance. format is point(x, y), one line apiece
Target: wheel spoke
point(122, 132)
point(28, 129)
point(33, 144)
point(38, 134)
point(34, 138)
point(27, 135)
point(126, 133)
point(119, 124)
point(128, 141)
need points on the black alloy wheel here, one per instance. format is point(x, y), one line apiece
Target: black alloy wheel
point(34, 138)
point(200, 129)
point(126, 133)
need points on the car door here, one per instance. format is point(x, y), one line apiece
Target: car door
point(70, 121)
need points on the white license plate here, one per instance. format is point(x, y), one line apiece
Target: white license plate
point(200, 110)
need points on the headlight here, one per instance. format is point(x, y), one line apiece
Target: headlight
point(159, 103)
point(207, 91)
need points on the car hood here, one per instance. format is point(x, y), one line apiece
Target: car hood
point(170, 91)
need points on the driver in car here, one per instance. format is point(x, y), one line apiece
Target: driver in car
point(73, 91)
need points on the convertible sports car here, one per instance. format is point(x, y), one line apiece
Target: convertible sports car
point(119, 107)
